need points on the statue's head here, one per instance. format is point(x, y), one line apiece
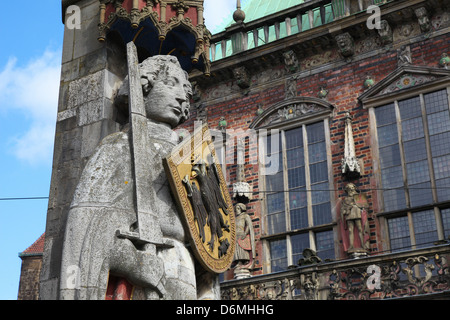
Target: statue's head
point(240, 208)
point(351, 189)
point(166, 90)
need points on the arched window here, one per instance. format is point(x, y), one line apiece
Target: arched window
point(296, 180)
point(410, 122)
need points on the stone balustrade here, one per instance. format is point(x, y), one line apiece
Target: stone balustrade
point(416, 274)
point(306, 16)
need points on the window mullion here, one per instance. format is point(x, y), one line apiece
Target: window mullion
point(402, 152)
point(412, 234)
point(428, 146)
point(287, 208)
point(307, 178)
point(289, 251)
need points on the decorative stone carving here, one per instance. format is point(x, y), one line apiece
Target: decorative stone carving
point(309, 284)
point(385, 32)
point(406, 31)
point(290, 61)
point(299, 107)
point(271, 290)
point(386, 281)
point(319, 59)
point(309, 257)
point(296, 110)
point(346, 44)
point(404, 56)
point(291, 88)
point(245, 253)
point(242, 77)
point(354, 220)
point(440, 20)
point(350, 165)
point(406, 81)
point(424, 20)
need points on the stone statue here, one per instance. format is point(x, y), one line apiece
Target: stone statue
point(353, 207)
point(123, 221)
point(245, 252)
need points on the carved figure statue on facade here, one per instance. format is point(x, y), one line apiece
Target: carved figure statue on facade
point(354, 221)
point(245, 254)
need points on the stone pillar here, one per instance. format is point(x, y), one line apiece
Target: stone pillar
point(91, 72)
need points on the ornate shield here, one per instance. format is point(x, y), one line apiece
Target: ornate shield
point(202, 196)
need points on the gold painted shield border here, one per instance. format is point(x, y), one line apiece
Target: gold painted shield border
point(177, 165)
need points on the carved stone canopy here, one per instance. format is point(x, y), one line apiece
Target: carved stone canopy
point(350, 165)
point(174, 27)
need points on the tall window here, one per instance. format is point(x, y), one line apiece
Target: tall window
point(414, 157)
point(298, 196)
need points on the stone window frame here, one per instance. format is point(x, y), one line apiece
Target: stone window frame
point(430, 80)
point(323, 113)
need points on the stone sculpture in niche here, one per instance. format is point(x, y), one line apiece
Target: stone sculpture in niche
point(354, 219)
point(123, 222)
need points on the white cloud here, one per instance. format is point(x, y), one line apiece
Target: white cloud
point(32, 89)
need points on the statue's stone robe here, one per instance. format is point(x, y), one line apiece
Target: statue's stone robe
point(104, 203)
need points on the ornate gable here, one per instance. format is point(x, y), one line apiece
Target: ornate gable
point(405, 80)
point(292, 110)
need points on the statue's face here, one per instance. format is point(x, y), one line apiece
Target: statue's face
point(168, 98)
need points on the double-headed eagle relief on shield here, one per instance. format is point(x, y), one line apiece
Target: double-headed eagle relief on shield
point(201, 193)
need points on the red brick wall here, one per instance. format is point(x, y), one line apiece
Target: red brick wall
point(344, 85)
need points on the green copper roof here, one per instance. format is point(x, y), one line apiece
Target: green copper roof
point(255, 9)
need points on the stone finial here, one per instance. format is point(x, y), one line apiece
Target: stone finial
point(238, 15)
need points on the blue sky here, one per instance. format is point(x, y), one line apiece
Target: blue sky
point(30, 65)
